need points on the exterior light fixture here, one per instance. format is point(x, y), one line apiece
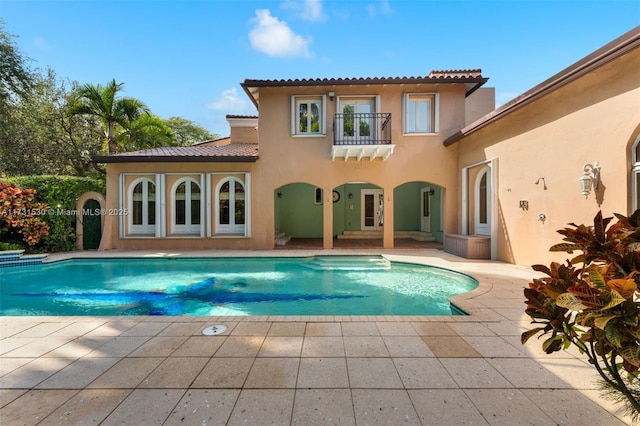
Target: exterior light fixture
point(279, 194)
point(332, 95)
point(591, 177)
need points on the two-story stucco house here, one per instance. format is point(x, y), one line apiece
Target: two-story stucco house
point(420, 157)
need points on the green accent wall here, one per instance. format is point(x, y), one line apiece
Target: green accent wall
point(296, 213)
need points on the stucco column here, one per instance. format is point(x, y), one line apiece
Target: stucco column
point(327, 218)
point(387, 236)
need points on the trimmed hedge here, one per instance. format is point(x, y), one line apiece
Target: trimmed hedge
point(60, 193)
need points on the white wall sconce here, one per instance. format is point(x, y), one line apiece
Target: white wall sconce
point(332, 95)
point(590, 178)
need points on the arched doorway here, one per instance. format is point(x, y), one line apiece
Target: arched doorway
point(91, 225)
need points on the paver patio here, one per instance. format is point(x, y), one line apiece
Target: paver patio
point(317, 370)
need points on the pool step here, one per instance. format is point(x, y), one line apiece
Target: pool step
point(11, 258)
point(348, 263)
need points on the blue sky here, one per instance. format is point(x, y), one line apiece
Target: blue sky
point(187, 58)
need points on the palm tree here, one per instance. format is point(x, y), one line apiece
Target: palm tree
point(112, 111)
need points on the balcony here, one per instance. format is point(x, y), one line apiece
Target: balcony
point(362, 135)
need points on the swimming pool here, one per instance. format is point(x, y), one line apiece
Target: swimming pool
point(320, 285)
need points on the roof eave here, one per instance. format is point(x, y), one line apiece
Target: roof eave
point(173, 159)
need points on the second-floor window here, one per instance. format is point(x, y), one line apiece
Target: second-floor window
point(308, 115)
point(420, 113)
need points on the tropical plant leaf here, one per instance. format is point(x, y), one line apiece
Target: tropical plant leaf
point(530, 333)
point(552, 344)
point(624, 286)
point(597, 277)
point(601, 321)
point(616, 299)
point(565, 247)
point(570, 301)
point(613, 334)
point(631, 354)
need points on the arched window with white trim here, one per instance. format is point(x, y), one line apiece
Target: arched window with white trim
point(635, 175)
point(483, 202)
point(186, 207)
point(230, 207)
point(142, 207)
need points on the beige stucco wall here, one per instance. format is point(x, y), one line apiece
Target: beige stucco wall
point(479, 103)
point(286, 159)
point(594, 118)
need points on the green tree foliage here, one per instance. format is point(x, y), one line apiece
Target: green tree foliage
point(15, 75)
point(186, 132)
point(115, 113)
point(60, 194)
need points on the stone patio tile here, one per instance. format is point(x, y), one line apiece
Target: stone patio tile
point(16, 325)
point(224, 373)
point(183, 329)
point(43, 329)
point(407, 346)
point(383, 407)
point(89, 406)
point(576, 373)
point(281, 346)
point(240, 346)
point(365, 346)
point(445, 407)
point(38, 347)
point(204, 407)
point(161, 346)
point(273, 373)
point(77, 348)
point(7, 365)
point(491, 347)
point(474, 373)
point(323, 329)
point(29, 375)
point(255, 406)
point(112, 328)
point(78, 329)
point(373, 373)
point(396, 329)
point(78, 374)
point(423, 373)
point(323, 373)
point(199, 346)
point(323, 407)
point(570, 407)
point(146, 328)
point(287, 329)
point(450, 347)
point(508, 407)
point(8, 344)
point(127, 373)
point(323, 347)
point(527, 373)
point(360, 329)
point(433, 329)
point(34, 406)
point(176, 372)
point(471, 329)
point(507, 328)
point(145, 407)
point(9, 395)
point(118, 347)
point(251, 328)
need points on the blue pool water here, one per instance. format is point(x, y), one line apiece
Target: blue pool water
point(323, 285)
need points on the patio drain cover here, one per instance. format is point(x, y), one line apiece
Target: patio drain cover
point(212, 330)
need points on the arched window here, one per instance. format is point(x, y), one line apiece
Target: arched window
point(635, 175)
point(483, 202)
point(142, 207)
point(186, 207)
point(230, 207)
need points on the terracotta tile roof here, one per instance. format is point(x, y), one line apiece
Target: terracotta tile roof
point(471, 78)
point(235, 152)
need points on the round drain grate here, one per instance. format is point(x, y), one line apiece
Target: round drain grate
point(212, 330)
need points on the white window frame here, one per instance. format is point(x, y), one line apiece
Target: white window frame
point(145, 228)
point(297, 100)
point(231, 228)
point(432, 111)
point(635, 175)
point(188, 228)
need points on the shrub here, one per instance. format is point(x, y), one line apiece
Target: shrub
point(61, 193)
point(21, 215)
point(593, 303)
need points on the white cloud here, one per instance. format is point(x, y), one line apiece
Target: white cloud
point(382, 8)
point(41, 44)
point(309, 10)
point(230, 102)
point(275, 38)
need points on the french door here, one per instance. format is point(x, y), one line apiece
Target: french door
point(372, 202)
point(358, 125)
